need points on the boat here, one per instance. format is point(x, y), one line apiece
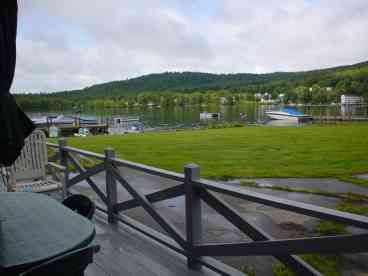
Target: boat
point(82, 132)
point(53, 120)
point(120, 125)
point(207, 115)
point(88, 121)
point(40, 120)
point(288, 114)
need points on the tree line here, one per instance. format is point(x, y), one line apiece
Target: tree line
point(188, 88)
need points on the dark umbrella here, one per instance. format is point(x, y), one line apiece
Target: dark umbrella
point(15, 126)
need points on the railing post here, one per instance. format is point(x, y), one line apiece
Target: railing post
point(63, 155)
point(193, 214)
point(111, 186)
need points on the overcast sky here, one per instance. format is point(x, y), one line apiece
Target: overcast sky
point(76, 43)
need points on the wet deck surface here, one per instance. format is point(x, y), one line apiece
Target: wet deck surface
point(126, 252)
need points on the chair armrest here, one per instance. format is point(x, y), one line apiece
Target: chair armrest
point(56, 166)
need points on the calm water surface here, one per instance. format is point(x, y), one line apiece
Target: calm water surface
point(189, 116)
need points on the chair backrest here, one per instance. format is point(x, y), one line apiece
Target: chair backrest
point(70, 264)
point(31, 164)
point(3, 179)
point(81, 204)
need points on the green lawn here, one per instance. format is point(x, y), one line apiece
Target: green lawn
point(311, 151)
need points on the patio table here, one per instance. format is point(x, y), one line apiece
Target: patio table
point(35, 228)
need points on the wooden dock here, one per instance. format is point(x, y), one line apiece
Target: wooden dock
point(65, 131)
point(70, 130)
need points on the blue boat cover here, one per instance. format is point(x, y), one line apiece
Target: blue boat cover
point(291, 111)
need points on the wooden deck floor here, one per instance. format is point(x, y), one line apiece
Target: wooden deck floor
point(127, 252)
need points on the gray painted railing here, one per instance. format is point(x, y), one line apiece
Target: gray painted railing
point(197, 190)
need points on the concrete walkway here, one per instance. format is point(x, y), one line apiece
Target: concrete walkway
point(324, 184)
point(363, 176)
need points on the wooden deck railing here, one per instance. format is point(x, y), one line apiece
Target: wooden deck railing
point(197, 190)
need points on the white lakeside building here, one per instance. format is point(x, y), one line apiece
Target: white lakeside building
point(351, 99)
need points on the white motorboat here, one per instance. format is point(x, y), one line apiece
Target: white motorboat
point(207, 115)
point(40, 120)
point(63, 120)
point(288, 114)
point(56, 120)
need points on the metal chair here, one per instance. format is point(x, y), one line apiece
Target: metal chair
point(28, 173)
point(70, 264)
point(81, 204)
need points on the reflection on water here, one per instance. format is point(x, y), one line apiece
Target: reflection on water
point(189, 116)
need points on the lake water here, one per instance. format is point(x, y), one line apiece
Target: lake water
point(189, 116)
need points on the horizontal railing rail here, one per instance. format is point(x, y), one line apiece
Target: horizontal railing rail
point(285, 204)
point(148, 169)
point(195, 190)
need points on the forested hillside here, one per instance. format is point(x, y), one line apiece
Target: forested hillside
point(352, 79)
point(192, 81)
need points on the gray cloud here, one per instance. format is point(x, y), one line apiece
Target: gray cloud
point(71, 44)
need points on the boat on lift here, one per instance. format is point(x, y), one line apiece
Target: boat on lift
point(120, 125)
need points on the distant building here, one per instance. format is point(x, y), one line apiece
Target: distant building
point(265, 98)
point(281, 96)
point(222, 100)
point(258, 95)
point(270, 101)
point(351, 99)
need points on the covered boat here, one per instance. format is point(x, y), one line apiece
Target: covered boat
point(288, 114)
